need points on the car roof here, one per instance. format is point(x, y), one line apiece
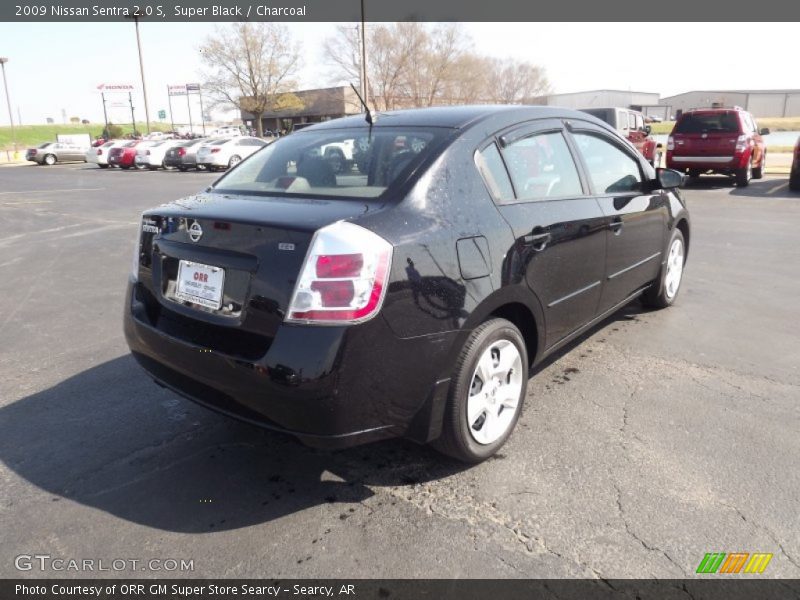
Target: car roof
point(455, 117)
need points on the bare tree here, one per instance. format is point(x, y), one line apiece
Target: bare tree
point(512, 81)
point(251, 67)
point(414, 64)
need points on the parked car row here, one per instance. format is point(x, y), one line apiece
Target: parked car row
point(204, 153)
point(632, 125)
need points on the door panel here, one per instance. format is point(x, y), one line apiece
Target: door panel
point(559, 247)
point(635, 222)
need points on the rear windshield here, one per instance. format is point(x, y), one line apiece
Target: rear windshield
point(45, 145)
point(353, 162)
point(726, 122)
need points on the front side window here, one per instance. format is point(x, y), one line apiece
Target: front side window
point(611, 169)
point(541, 166)
point(354, 162)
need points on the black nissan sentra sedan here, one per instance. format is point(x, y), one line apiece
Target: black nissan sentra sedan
point(354, 281)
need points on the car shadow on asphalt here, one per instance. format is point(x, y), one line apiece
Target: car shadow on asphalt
point(110, 439)
point(773, 188)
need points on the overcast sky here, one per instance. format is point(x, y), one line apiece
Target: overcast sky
point(56, 66)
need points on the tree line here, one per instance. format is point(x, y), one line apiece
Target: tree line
point(254, 67)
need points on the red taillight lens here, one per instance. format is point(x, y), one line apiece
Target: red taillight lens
point(214, 150)
point(334, 294)
point(339, 265)
point(181, 151)
point(344, 277)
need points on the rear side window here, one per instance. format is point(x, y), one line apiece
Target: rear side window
point(722, 122)
point(541, 166)
point(610, 168)
point(491, 166)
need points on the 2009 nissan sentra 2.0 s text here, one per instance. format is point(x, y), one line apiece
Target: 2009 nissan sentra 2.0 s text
point(352, 282)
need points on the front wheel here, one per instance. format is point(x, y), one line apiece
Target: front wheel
point(663, 293)
point(486, 392)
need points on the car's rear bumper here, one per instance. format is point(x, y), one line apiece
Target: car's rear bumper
point(329, 386)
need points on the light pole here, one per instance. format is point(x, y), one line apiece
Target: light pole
point(135, 16)
point(3, 61)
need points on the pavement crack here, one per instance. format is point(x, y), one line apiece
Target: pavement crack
point(633, 534)
point(765, 529)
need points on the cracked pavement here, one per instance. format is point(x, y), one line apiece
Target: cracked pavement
point(656, 438)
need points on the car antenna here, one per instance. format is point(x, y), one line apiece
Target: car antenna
point(369, 118)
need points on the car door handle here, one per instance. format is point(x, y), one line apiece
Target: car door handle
point(616, 225)
point(537, 240)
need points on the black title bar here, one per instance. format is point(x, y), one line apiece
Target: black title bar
point(406, 10)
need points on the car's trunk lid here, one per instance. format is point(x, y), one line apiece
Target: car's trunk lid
point(259, 243)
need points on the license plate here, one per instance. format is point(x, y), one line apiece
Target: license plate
point(200, 284)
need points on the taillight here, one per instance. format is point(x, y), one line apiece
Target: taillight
point(214, 150)
point(743, 142)
point(344, 276)
point(147, 152)
point(181, 151)
point(670, 143)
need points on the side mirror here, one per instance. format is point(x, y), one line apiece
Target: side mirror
point(647, 129)
point(669, 179)
point(764, 131)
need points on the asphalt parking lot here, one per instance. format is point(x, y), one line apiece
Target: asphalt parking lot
point(656, 438)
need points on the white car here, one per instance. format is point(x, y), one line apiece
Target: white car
point(227, 152)
point(99, 155)
point(151, 155)
point(158, 136)
point(225, 132)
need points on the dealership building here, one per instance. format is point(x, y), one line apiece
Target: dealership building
point(645, 102)
point(315, 106)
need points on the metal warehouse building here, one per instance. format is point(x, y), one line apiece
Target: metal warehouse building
point(647, 102)
point(762, 103)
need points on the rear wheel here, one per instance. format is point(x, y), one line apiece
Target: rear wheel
point(743, 176)
point(758, 172)
point(140, 166)
point(103, 166)
point(486, 392)
point(663, 293)
point(235, 160)
point(50, 159)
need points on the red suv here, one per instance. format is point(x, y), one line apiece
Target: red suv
point(718, 140)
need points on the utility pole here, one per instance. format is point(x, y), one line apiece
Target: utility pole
point(3, 61)
point(363, 48)
point(169, 99)
point(135, 16)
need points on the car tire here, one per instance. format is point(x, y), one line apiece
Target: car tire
point(126, 167)
point(103, 166)
point(49, 159)
point(758, 172)
point(743, 176)
point(665, 289)
point(234, 160)
point(490, 378)
point(140, 166)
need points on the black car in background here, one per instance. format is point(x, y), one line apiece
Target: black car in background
point(410, 294)
point(183, 155)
